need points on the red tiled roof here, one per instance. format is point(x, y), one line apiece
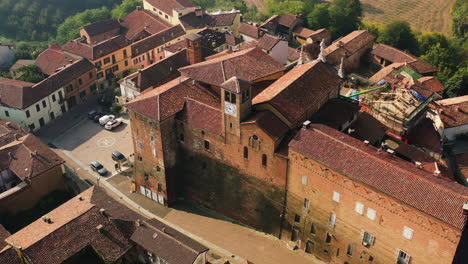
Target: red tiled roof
point(192, 21)
point(9, 131)
point(432, 83)
point(462, 163)
point(250, 65)
point(385, 71)
point(168, 5)
point(3, 235)
point(236, 85)
point(169, 99)
point(288, 20)
point(268, 42)
point(250, 30)
point(350, 43)
point(301, 91)
point(15, 94)
point(393, 55)
point(156, 40)
point(455, 111)
point(219, 54)
point(51, 59)
point(425, 135)
point(268, 123)
point(202, 116)
point(28, 157)
point(95, 51)
point(304, 32)
point(102, 26)
point(175, 47)
point(437, 197)
point(142, 20)
point(293, 54)
point(8, 255)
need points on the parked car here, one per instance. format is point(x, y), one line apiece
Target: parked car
point(96, 166)
point(92, 114)
point(103, 120)
point(119, 157)
point(97, 117)
point(113, 124)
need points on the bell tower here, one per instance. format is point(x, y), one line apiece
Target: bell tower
point(236, 102)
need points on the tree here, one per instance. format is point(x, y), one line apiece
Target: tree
point(399, 35)
point(345, 16)
point(457, 85)
point(430, 39)
point(460, 19)
point(30, 74)
point(125, 8)
point(319, 17)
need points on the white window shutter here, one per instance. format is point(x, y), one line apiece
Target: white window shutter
point(359, 208)
point(336, 196)
point(371, 214)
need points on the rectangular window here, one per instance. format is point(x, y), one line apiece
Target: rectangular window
point(233, 98)
point(82, 94)
point(113, 58)
point(60, 95)
point(125, 53)
point(53, 98)
point(306, 203)
point(6, 113)
point(304, 180)
point(350, 250)
point(69, 88)
point(38, 108)
point(408, 233)
point(336, 196)
point(313, 229)
point(332, 220)
point(44, 104)
point(207, 145)
point(106, 60)
point(99, 75)
point(115, 68)
point(359, 208)
point(90, 75)
point(246, 153)
point(98, 64)
point(93, 88)
point(27, 114)
point(227, 96)
point(297, 218)
point(126, 63)
point(264, 160)
point(182, 137)
point(402, 257)
point(32, 127)
point(80, 82)
point(371, 214)
point(140, 145)
point(328, 238)
point(367, 239)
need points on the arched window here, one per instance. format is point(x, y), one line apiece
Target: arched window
point(264, 160)
point(246, 153)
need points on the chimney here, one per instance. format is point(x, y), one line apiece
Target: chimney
point(47, 219)
point(100, 228)
point(391, 151)
point(193, 44)
point(436, 170)
point(102, 211)
point(10, 154)
point(465, 208)
point(306, 124)
point(80, 198)
point(35, 153)
point(8, 124)
point(138, 222)
point(418, 164)
point(138, 8)
point(366, 142)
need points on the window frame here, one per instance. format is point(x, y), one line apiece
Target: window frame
point(408, 233)
point(336, 196)
point(359, 208)
point(371, 212)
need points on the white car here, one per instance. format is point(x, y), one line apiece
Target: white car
point(105, 119)
point(113, 124)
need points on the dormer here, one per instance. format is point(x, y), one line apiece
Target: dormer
point(236, 102)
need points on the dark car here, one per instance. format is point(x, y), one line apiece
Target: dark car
point(119, 157)
point(92, 114)
point(97, 117)
point(96, 166)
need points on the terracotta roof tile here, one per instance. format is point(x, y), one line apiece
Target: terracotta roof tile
point(236, 85)
point(177, 46)
point(250, 30)
point(437, 197)
point(102, 26)
point(50, 60)
point(141, 20)
point(168, 5)
point(202, 116)
point(288, 20)
point(268, 42)
point(395, 55)
point(193, 21)
point(250, 65)
point(268, 123)
point(455, 111)
point(432, 83)
point(350, 43)
point(95, 51)
point(3, 235)
point(15, 94)
point(156, 40)
point(293, 54)
point(386, 71)
point(8, 255)
point(9, 131)
point(301, 91)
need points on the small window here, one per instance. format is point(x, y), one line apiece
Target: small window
point(304, 180)
point(115, 68)
point(264, 160)
point(328, 238)
point(181, 137)
point(306, 203)
point(106, 60)
point(100, 75)
point(6, 113)
point(32, 127)
point(27, 114)
point(332, 220)
point(53, 98)
point(44, 104)
point(90, 75)
point(140, 158)
point(125, 53)
point(160, 188)
point(338, 252)
point(207, 145)
point(98, 64)
point(297, 218)
point(313, 229)
point(126, 63)
point(38, 108)
point(367, 239)
point(371, 214)
point(93, 88)
point(140, 145)
point(246, 153)
point(69, 88)
point(350, 250)
point(80, 82)
point(233, 98)
point(227, 96)
point(359, 208)
point(82, 94)
point(402, 257)
point(408, 233)
point(60, 95)
point(336, 196)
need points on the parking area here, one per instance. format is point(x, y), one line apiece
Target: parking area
point(88, 141)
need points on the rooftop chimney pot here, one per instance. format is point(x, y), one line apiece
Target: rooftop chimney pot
point(306, 124)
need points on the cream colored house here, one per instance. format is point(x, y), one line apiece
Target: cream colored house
point(169, 10)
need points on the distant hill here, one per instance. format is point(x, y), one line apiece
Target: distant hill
point(37, 20)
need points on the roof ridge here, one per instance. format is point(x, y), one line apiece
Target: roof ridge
point(198, 102)
point(171, 237)
point(425, 179)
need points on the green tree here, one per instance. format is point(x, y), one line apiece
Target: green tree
point(281, 7)
point(399, 35)
point(460, 19)
point(125, 8)
point(69, 30)
point(30, 73)
point(345, 16)
point(428, 40)
point(457, 85)
point(319, 17)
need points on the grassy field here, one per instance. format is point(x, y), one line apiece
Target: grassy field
point(424, 15)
